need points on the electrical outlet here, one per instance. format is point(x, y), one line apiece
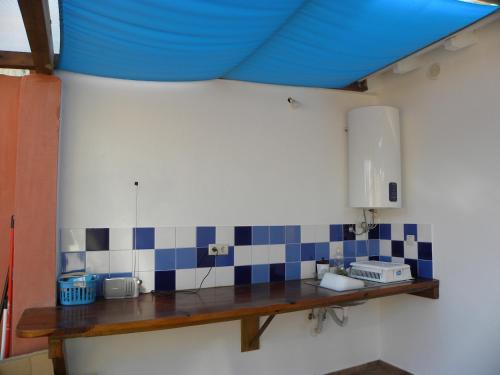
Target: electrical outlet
point(410, 239)
point(218, 249)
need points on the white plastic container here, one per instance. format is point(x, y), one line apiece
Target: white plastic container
point(374, 154)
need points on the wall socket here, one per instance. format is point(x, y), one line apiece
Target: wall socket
point(218, 249)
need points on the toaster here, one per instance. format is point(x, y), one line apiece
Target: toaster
point(122, 287)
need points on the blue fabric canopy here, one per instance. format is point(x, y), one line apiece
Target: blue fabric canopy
point(319, 43)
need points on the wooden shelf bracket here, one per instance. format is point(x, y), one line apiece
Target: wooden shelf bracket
point(250, 332)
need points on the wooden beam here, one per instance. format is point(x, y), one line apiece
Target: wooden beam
point(359, 86)
point(56, 353)
point(36, 18)
point(250, 330)
point(16, 60)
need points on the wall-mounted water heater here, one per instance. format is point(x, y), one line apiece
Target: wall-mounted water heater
point(374, 157)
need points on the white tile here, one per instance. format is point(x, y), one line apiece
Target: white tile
point(385, 248)
point(398, 260)
point(165, 238)
point(185, 237)
point(185, 279)
point(397, 232)
point(209, 281)
point(361, 259)
point(307, 233)
point(307, 269)
point(336, 249)
point(120, 261)
point(120, 239)
point(411, 251)
point(277, 254)
point(224, 235)
point(424, 233)
point(362, 236)
point(148, 281)
point(145, 260)
point(242, 255)
point(322, 233)
point(97, 261)
point(260, 254)
point(72, 240)
point(224, 276)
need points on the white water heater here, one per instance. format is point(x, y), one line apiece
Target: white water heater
point(374, 157)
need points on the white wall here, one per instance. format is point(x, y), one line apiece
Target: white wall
point(451, 147)
point(212, 153)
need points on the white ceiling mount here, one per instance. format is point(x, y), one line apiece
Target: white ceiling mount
point(407, 65)
point(459, 41)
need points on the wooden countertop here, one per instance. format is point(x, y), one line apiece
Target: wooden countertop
point(162, 311)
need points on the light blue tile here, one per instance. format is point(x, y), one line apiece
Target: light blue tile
point(292, 252)
point(348, 261)
point(185, 258)
point(277, 234)
point(425, 269)
point(144, 238)
point(307, 251)
point(385, 259)
point(260, 235)
point(350, 249)
point(164, 259)
point(292, 233)
point(205, 236)
point(225, 260)
point(373, 247)
point(322, 250)
point(260, 273)
point(361, 248)
point(292, 271)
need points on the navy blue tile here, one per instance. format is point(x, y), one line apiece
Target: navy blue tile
point(144, 238)
point(277, 272)
point(397, 249)
point(336, 232)
point(164, 259)
point(385, 231)
point(260, 273)
point(165, 280)
point(203, 259)
point(242, 236)
point(374, 234)
point(242, 275)
point(322, 250)
point(425, 269)
point(307, 251)
point(374, 257)
point(413, 266)
point(361, 248)
point(260, 235)
point(410, 229)
point(348, 261)
point(292, 252)
point(348, 235)
point(292, 271)
point(425, 250)
point(185, 258)
point(225, 260)
point(385, 258)
point(96, 239)
point(350, 249)
point(373, 247)
point(277, 234)
point(292, 234)
point(205, 236)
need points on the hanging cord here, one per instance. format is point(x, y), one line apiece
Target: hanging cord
point(365, 225)
point(134, 251)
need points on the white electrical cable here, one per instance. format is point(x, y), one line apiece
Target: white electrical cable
point(134, 250)
point(4, 329)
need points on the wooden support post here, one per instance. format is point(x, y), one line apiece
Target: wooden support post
point(56, 353)
point(249, 330)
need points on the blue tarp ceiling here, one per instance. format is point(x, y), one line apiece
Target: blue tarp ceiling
point(319, 43)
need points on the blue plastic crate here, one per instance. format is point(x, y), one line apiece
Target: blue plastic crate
point(77, 289)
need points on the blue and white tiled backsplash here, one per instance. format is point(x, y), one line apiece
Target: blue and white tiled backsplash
point(176, 258)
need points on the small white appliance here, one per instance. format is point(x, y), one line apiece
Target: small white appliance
point(374, 157)
point(381, 272)
point(122, 287)
point(340, 283)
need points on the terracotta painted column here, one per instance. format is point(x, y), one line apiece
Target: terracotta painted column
point(36, 141)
